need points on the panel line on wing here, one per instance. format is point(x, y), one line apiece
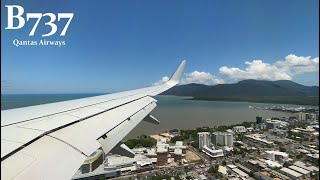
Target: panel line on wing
point(125, 120)
point(68, 145)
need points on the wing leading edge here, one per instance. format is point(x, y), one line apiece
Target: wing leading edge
point(51, 141)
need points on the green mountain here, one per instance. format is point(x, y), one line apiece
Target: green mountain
point(282, 91)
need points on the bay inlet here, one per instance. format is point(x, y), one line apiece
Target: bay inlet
point(173, 112)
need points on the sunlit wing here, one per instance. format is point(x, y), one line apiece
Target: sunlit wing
point(51, 141)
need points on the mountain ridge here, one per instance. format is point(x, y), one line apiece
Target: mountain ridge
point(250, 90)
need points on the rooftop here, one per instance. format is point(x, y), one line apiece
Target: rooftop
point(179, 143)
point(299, 169)
point(162, 149)
point(241, 173)
point(178, 151)
point(272, 163)
point(231, 166)
point(257, 138)
point(202, 133)
point(117, 160)
point(212, 150)
point(221, 133)
point(238, 127)
point(291, 172)
point(278, 153)
point(316, 156)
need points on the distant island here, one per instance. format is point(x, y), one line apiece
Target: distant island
point(261, 91)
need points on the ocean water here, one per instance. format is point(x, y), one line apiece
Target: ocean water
point(11, 101)
point(172, 111)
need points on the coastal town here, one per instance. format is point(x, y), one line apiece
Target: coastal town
point(269, 148)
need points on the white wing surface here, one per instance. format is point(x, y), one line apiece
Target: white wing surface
point(51, 141)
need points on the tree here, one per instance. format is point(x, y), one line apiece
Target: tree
point(299, 156)
point(286, 164)
point(282, 149)
point(213, 170)
point(224, 163)
point(176, 138)
point(142, 141)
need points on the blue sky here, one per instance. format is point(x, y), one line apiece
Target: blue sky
point(117, 45)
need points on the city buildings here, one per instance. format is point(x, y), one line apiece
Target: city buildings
point(92, 162)
point(261, 176)
point(277, 156)
point(178, 145)
point(115, 165)
point(162, 155)
point(165, 151)
point(222, 139)
point(177, 155)
point(261, 126)
point(312, 157)
point(205, 144)
point(125, 164)
point(262, 160)
point(300, 170)
point(212, 152)
point(240, 173)
point(239, 129)
point(272, 164)
point(304, 166)
point(256, 138)
point(259, 120)
point(274, 123)
point(291, 173)
point(302, 116)
point(204, 139)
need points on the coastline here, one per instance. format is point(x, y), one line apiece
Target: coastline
point(312, 101)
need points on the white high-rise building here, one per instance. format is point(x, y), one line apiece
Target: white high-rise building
point(306, 116)
point(301, 116)
point(204, 139)
point(222, 138)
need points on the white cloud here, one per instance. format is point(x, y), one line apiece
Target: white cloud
point(163, 80)
point(299, 64)
point(285, 69)
point(281, 70)
point(256, 70)
point(195, 77)
point(201, 78)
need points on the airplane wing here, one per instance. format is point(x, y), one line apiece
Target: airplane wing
point(51, 141)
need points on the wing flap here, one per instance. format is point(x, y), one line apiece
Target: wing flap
point(84, 134)
point(117, 134)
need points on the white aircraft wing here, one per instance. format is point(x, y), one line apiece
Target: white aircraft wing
point(51, 141)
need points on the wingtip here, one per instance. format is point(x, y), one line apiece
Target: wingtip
point(178, 73)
